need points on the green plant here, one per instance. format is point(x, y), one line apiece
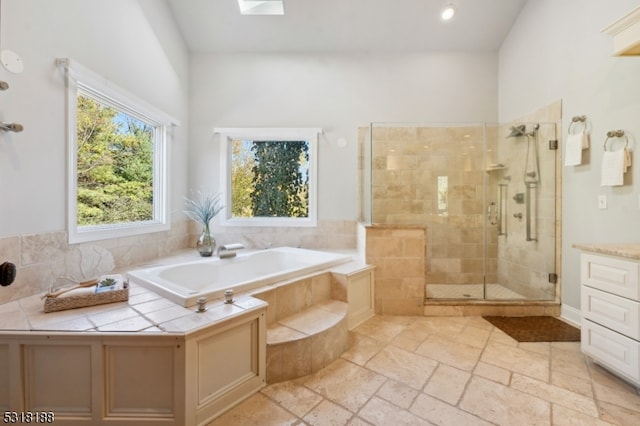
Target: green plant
point(203, 207)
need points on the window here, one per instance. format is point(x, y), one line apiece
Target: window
point(117, 174)
point(269, 176)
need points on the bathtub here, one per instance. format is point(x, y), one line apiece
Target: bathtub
point(184, 283)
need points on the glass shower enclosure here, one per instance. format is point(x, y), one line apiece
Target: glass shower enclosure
point(486, 195)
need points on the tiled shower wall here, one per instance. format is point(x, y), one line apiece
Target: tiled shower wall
point(405, 167)
point(48, 260)
point(434, 176)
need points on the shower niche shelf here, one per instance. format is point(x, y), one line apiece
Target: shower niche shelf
point(496, 167)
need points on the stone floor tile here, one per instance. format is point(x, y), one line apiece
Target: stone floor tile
point(328, 414)
point(562, 416)
point(362, 349)
point(574, 384)
point(357, 421)
point(618, 415)
point(440, 413)
point(473, 336)
point(346, 384)
point(517, 360)
point(447, 384)
point(415, 333)
point(446, 326)
point(554, 394)
point(542, 348)
point(479, 322)
point(397, 393)
point(293, 396)
point(257, 410)
point(569, 362)
point(378, 382)
point(626, 397)
point(406, 343)
point(499, 336)
point(383, 413)
point(492, 372)
point(503, 405)
point(380, 329)
point(403, 366)
point(602, 376)
point(455, 354)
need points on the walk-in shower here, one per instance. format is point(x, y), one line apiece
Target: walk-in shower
point(486, 196)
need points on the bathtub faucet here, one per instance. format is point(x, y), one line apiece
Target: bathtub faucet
point(228, 250)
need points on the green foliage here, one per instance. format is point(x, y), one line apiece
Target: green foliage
point(114, 166)
point(242, 184)
point(280, 186)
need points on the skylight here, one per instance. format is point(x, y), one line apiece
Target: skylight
point(261, 7)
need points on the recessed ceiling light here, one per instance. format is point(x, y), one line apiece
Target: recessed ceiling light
point(448, 11)
point(261, 7)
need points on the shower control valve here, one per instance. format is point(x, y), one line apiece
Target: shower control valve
point(519, 198)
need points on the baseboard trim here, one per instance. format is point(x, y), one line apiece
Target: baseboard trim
point(571, 315)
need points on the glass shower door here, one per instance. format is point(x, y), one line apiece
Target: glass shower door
point(521, 230)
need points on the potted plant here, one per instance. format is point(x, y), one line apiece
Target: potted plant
point(202, 208)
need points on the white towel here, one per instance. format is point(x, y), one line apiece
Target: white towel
point(613, 168)
point(576, 142)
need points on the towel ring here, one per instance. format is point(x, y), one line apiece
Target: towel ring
point(577, 120)
point(616, 134)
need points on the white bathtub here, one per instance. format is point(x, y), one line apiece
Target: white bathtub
point(184, 283)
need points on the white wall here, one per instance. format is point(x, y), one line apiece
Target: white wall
point(337, 92)
point(133, 43)
point(556, 51)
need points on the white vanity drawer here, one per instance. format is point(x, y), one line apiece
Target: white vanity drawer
point(613, 350)
point(615, 312)
point(613, 275)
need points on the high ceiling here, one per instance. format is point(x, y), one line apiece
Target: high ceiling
point(347, 26)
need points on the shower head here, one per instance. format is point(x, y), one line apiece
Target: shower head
point(519, 130)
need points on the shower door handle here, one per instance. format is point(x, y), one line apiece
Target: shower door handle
point(502, 200)
point(531, 234)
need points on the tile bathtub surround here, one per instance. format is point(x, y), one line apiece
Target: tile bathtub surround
point(328, 235)
point(45, 260)
point(445, 371)
point(48, 260)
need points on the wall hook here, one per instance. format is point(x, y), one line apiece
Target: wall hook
point(11, 127)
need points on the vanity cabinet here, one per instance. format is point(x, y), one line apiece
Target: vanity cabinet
point(610, 303)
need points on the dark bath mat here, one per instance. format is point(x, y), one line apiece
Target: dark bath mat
point(536, 329)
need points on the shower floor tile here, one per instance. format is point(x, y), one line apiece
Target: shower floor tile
point(470, 291)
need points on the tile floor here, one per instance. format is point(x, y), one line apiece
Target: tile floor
point(445, 371)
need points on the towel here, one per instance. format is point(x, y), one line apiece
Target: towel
point(102, 286)
point(613, 168)
point(576, 142)
point(109, 283)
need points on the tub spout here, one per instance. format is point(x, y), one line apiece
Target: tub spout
point(228, 250)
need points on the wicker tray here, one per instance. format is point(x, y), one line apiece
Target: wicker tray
point(52, 304)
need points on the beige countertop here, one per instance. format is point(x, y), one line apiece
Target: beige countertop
point(628, 250)
point(144, 312)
